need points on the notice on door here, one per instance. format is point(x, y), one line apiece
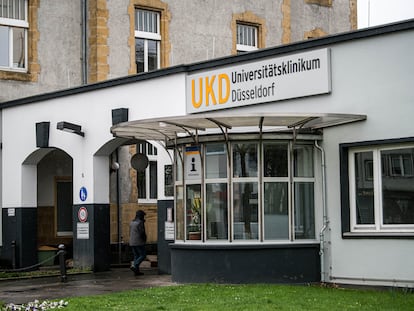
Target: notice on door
point(82, 231)
point(169, 231)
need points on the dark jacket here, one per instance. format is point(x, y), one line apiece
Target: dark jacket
point(137, 234)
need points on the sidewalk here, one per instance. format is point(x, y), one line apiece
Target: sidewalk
point(51, 288)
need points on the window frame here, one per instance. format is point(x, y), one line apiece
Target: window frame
point(11, 24)
point(150, 150)
point(258, 180)
point(58, 232)
point(350, 228)
point(148, 36)
point(242, 48)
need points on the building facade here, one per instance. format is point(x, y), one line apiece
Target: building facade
point(63, 45)
point(49, 46)
point(294, 165)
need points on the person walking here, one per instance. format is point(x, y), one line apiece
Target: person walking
point(137, 240)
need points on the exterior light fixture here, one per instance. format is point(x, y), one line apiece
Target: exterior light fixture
point(70, 127)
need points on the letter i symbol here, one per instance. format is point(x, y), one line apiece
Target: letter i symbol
point(193, 169)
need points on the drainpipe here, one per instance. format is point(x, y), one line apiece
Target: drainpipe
point(84, 53)
point(325, 213)
point(118, 208)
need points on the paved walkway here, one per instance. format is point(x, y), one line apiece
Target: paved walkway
point(115, 280)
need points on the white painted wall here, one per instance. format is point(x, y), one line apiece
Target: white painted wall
point(92, 110)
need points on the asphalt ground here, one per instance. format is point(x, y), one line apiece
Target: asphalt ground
point(19, 291)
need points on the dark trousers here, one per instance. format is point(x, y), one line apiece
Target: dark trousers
point(139, 255)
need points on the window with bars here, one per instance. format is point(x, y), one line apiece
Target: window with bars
point(13, 34)
point(246, 38)
point(147, 40)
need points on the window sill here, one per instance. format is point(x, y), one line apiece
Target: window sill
point(15, 75)
point(378, 235)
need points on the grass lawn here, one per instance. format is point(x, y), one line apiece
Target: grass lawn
point(246, 297)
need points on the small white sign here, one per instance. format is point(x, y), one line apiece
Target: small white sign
point(11, 212)
point(169, 230)
point(82, 230)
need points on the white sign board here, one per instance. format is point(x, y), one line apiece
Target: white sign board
point(82, 230)
point(192, 162)
point(272, 79)
point(169, 230)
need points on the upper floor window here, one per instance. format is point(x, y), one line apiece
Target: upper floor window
point(246, 38)
point(147, 40)
point(381, 188)
point(13, 34)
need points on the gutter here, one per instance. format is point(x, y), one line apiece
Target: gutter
point(84, 42)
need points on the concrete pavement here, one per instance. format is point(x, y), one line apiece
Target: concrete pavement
point(51, 288)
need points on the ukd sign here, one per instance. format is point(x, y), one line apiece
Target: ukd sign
point(273, 79)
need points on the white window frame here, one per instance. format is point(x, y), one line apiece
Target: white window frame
point(378, 226)
point(247, 47)
point(146, 36)
point(11, 23)
point(151, 158)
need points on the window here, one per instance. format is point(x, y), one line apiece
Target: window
point(64, 203)
point(246, 38)
point(248, 191)
point(216, 191)
point(245, 191)
point(277, 189)
point(381, 188)
point(147, 40)
point(13, 35)
point(147, 179)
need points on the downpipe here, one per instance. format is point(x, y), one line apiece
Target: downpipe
point(325, 214)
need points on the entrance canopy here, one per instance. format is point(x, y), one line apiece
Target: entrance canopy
point(170, 128)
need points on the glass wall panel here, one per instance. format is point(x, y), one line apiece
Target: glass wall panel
point(19, 43)
point(216, 209)
point(245, 211)
point(152, 55)
point(364, 190)
point(139, 54)
point(245, 160)
point(4, 47)
point(179, 215)
point(397, 186)
point(276, 218)
point(275, 160)
point(303, 160)
point(193, 212)
point(178, 167)
point(142, 184)
point(153, 179)
point(304, 210)
point(216, 161)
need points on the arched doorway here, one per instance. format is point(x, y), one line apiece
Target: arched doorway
point(55, 201)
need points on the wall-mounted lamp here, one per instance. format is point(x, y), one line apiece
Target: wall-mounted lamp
point(70, 127)
point(119, 115)
point(42, 134)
